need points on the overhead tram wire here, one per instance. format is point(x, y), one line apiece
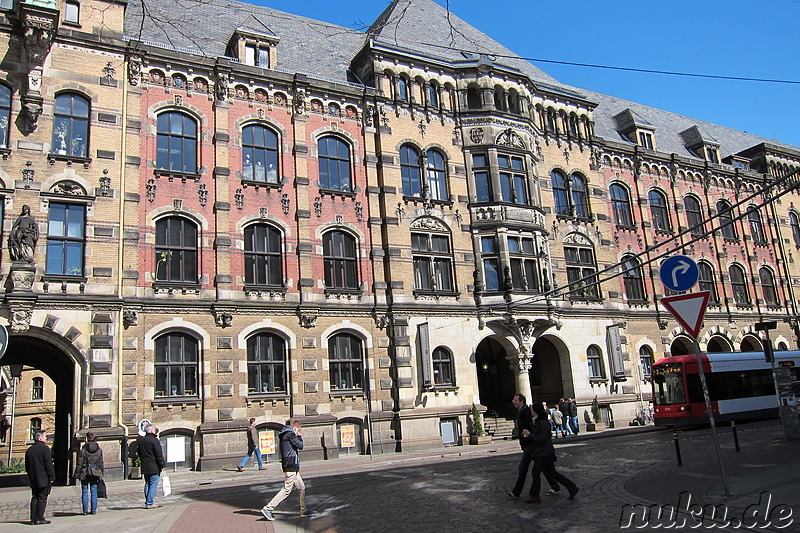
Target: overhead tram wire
point(592, 280)
point(611, 67)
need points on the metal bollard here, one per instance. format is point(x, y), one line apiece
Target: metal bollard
point(677, 447)
point(735, 435)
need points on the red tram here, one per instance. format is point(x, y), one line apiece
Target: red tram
point(740, 386)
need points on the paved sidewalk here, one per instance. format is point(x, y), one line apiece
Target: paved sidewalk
point(640, 472)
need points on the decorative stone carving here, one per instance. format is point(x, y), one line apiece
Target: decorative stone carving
point(202, 192)
point(239, 197)
point(27, 174)
point(21, 279)
point(510, 138)
point(23, 238)
point(135, 64)
point(130, 318)
point(476, 135)
point(285, 202)
point(428, 223)
point(109, 71)
point(31, 110)
point(308, 320)
point(68, 187)
point(224, 319)
point(223, 80)
point(151, 189)
point(577, 238)
point(105, 183)
point(300, 102)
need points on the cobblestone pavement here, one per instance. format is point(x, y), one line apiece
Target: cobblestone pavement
point(458, 490)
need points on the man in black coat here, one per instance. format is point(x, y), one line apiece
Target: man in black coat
point(152, 463)
point(39, 467)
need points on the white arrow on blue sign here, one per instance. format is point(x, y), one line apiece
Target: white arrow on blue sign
point(679, 273)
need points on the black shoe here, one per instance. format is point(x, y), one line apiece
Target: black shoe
point(42, 522)
point(93, 512)
point(511, 494)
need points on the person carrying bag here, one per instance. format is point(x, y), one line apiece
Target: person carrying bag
point(89, 470)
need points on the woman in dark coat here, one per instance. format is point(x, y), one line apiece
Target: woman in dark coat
point(89, 469)
point(544, 455)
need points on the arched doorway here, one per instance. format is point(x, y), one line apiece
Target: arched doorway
point(681, 346)
point(36, 352)
point(750, 344)
point(718, 344)
point(546, 373)
point(496, 383)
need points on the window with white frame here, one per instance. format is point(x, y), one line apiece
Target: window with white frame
point(72, 10)
point(66, 239)
point(594, 358)
point(346, 362)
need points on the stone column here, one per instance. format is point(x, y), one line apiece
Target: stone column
point(520, 364)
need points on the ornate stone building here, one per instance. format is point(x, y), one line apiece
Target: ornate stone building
point(259, 214)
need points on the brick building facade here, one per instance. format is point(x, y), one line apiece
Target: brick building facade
point(268, 216)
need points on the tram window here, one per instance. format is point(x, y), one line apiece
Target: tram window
point(668, 385)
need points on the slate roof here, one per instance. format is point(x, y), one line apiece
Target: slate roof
point(325, 51)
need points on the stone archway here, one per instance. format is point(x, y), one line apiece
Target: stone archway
point(550, 374)
point(40, 351)
point(681, 346)
point(496, 381)
point(718, 344)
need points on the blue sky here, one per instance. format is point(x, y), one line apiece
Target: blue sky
point(749, 38)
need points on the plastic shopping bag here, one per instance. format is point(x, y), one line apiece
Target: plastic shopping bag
point(166, 486)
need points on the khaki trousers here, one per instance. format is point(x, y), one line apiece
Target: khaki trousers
point(291, 480)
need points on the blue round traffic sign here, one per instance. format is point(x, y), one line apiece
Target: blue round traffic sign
point(679, 273)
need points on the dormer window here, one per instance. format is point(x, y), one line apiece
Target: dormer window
point(712, 154)
point(701, 145)
point(257, 56)
point(72, 11)
point(646, 139)
point(635, 129)
point(743, 164)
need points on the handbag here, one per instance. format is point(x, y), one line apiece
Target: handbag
point(166, 486)
point(94, 470)
point(102, 492)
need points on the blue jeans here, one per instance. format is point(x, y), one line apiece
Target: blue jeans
point(150, 489)
point(250, 451)
point(89, 485)
point(573, 423)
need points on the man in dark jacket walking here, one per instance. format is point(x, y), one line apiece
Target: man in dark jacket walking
point(291, 441)
point(152, 461)
point(253, 447)
point(39, 467)
point(525, 425)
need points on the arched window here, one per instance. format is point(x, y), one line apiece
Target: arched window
point(739, 283)
point(176, 365)
point(433, 95)
point(706, 281)
point(694, 215)
point(37, 389)
point(513, 102)
point(473, 98)
point(756, 227)
point(410, 170)
point(632, 278)
point(176, 145)
point(263, 260)
point(71, 125)
point(795, 223)
point(513, 186)
point(594, 358)
point(402, 88)
point(66, 239)
point(443, 375)
point(176, 250)
point(560, 198)
point(259, 154)
point(266, 364)
point(339, 256)
point(500, 99)
point(334, 164)
point(5, 115)
point(646, 360)
point(726, 220)
point(659, 210)
point(436, 173)
point(581, 268)
point(433, 262)
point(580, 200)
point(768, 286)
point(346, 362)
point(621, 205)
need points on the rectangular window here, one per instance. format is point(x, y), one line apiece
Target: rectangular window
point(263, 57)
point(65, 239)
point(524, 267)
point(646, 140)
point(71, 12)
point(249, 55)
point(580, 265)
point(432, 262)
point(6, 4)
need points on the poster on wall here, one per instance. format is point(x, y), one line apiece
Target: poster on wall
point(348, 436)
point(425, 354)
point(176, 449)
point(266, 439)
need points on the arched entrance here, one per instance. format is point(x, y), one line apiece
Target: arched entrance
point(496, 383)
point(33, 351)
point(547, 379)
point(750, 344)
point(681, 346)
point(718, 344)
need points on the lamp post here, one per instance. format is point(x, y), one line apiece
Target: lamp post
point(16, 373)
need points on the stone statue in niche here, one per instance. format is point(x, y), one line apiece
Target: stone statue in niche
point(23, 237)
